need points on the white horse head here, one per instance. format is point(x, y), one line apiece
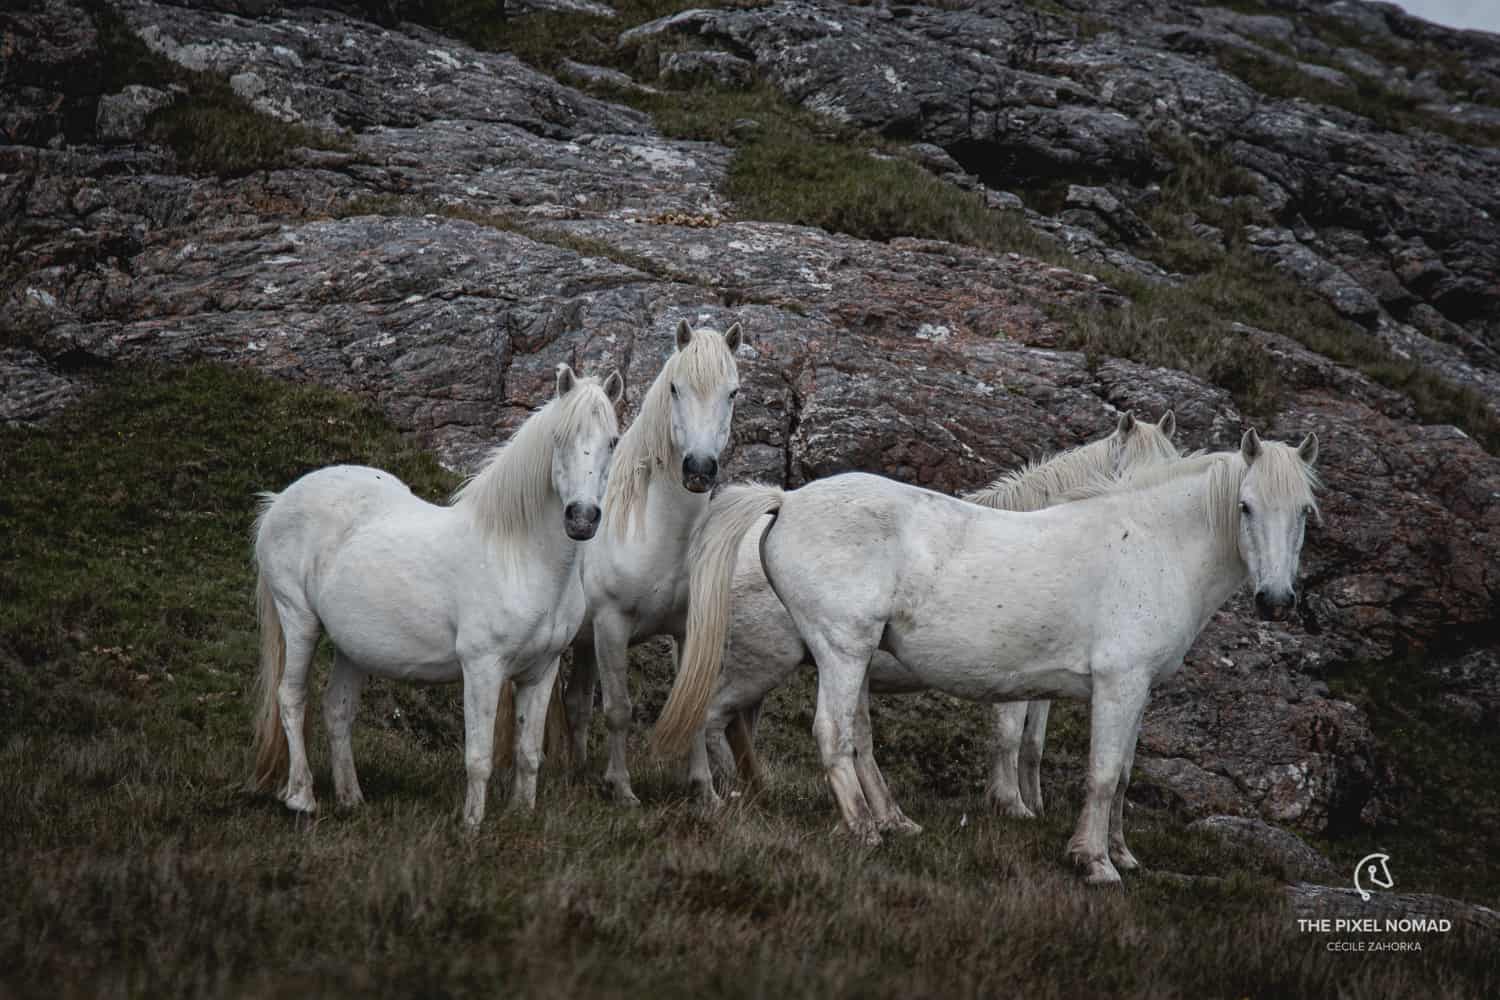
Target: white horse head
point(583, 440)
point(1136, 443)
point(1275, 500)
point(703, 384)
point(682, 426)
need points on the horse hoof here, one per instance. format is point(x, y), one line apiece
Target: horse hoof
point(1124, 860)
point(302, 802)
point(624, 797)
point(901, 825)
point(864, 835)
point(1011, 808)
point(1101, 872)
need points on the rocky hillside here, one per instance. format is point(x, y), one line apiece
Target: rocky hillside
point(958, 236)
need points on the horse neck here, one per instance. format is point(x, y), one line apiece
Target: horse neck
point(517, 513)
point(672, 512)
point(1210, 557)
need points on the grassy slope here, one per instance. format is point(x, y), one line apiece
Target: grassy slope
point(135, 862)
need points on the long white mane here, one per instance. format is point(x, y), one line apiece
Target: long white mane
point(646, 449)
point(1284, 478)
point(513, 491)
point(1044, 482)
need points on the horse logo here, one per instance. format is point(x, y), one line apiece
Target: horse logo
point(1378, 875)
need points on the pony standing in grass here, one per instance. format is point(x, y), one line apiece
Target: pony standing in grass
point(484, 590)
point(765, 649)
point(636, 576)
point(1096, 599)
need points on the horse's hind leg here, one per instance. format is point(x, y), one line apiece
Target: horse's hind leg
point(579, 698)
point(888, 815)
point(1033, 739)
point(300, 630)
point(841, 678)
point(531, 726)
point(340, 706)
point(1008, 720)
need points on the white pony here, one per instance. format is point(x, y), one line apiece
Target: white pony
point(484, 590)
point(765, 649)
point(636, 576)
point(1095, 599)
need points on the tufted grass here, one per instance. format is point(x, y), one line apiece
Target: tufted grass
point(135, 863)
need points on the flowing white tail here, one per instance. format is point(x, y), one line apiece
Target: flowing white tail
point(270, 738)
point(730, 516)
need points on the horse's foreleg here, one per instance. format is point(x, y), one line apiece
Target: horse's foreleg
point(340, 706)
point(888, 814)
point(700, 774)
point(612, 654)
point(482, 683)
point(1118, 852)
point(741, 740)
point(579, 699)
point(1008, 721)
point(531, 728)
point(1117, 702)
point(1032, 741)
point(301, 642)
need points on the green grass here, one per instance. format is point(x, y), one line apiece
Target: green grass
point(135, 862)
point(125, 540)
point(211, 128)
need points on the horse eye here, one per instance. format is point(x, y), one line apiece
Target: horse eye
point(733, 393)
point(674, 388)
point(1244, 508)
point(613, 441)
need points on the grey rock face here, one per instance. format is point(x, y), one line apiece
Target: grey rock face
point(1288, 850)
point(719, 68)
point(122, 117)
point(1013, 94)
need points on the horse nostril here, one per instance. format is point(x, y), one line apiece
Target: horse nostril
point(571, 511)
point(592, 514)
point(711, 467)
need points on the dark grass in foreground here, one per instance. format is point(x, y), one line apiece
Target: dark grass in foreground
point(135, 863)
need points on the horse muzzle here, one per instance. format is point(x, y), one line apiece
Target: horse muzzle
point(1275, 606)
point(581, 520)
point(700, 473)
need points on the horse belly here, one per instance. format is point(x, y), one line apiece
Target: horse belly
point(983, 666)
point(393, 616)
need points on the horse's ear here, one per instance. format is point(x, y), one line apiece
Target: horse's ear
point(614, 386)
point(1126, 424)
point(684, 334)
point(566, 380)
point(732, 338)
point(1308, 449)
point(1167, 424)
point(1250, 446)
